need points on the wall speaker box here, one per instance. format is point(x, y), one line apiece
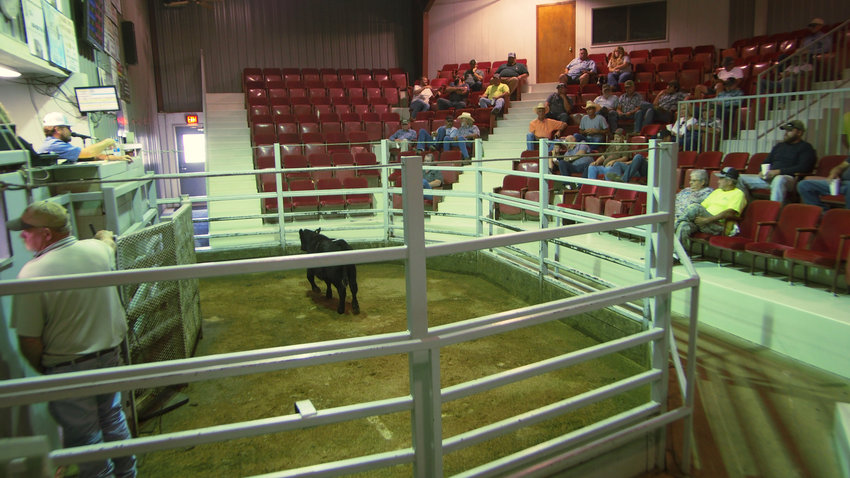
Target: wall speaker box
point(128, 39)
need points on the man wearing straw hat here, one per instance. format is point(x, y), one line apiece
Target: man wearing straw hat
point(543, 127)
point(73, 330)
point(462, 137)
point(593, 127)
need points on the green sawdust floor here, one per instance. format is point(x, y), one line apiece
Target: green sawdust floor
point(269, 310)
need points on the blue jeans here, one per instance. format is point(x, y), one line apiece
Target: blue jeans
point(427, 185)
point(579, 166)
point(91, 420)
point(531, 142)
point(635, 169)
point(497, 104)
point(811, 189)
point(417, 106)
point(619, 77)
point(780, 186)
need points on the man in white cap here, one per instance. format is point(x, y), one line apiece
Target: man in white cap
point(73, 330)
point(816, 41)
point(57, 132)
point(543, 127)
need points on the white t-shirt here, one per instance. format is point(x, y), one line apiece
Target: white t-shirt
point(71, 322)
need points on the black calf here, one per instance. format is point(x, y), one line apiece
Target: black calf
point(339, 276)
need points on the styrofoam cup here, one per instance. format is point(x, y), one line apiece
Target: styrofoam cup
point(765, 167)
point(834, 187)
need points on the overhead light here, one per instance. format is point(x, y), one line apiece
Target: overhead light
point(6, 72)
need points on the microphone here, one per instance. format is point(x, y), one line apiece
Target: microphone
point(79, 135)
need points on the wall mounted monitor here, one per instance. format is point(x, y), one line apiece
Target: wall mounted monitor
point(94, 99)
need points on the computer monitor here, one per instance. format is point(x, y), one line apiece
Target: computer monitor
point(94, 99)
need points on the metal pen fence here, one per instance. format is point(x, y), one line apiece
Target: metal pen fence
point(422, 343)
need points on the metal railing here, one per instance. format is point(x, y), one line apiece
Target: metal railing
point(423, 343)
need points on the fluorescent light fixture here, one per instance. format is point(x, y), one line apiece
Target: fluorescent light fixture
point(6, 72)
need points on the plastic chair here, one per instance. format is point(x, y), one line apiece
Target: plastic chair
point(828, 249)
point(791, 231)
point(759, 211)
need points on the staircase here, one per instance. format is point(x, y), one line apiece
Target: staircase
point(228, 140)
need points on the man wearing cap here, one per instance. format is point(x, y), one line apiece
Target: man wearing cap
point(663, 108)
point(494, 95)
point(710, 215)
point(57, 132)
point(73, 330)
point(438, 137)
point(559, 104)
point(512, 73)
point(403, 136)
point(627, 105)
point(816, 41)
point(593, 127)
point(616, 154)
point(453, 95)
point(839, 178)
point(579, 71)
point(543, 127)
point(793, 155)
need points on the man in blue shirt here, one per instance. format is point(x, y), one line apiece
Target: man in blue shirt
point(579, 71)
point(57, 132)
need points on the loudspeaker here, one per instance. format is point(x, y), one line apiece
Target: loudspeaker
point(128, 38)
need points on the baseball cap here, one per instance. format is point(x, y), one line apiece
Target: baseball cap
point(404, 121)
point(561, 85)
point(795, 124)
point(40, 214)
point(728, 173)
point(55, 119)
point(512, 55)
point(816, 21)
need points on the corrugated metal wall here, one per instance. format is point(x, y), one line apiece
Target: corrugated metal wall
point(235, 34)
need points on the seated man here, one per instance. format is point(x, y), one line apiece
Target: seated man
point(494, 95)
point(542, 128)
point(431, 178)
point(607, 101)
point(793, 155)
point(512, 73)
point(616, 153)
point(680, 129)
point(464, 136)
point(705, 130)
point(593, 127)
point(579, 71)
point(710, 215)
point(422, 94)
point(838, 180)
point(57, 132)
point(728, 93)
point(559, 104)
point(628, 104)
point(663, 108)
point(474, 77)
point(439, 137)
point(404, 136)
point(453, 95)
point(571, 158)
point(817, 42)
point(728, 72)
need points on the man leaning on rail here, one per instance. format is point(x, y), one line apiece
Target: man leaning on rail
point(73, 330)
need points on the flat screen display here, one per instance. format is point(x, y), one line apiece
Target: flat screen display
point(97, 98)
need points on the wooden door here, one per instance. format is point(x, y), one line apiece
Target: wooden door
point(556, 39)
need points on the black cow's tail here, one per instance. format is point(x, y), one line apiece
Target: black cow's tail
point(350, 277)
